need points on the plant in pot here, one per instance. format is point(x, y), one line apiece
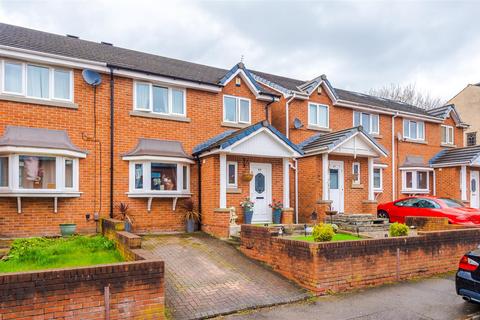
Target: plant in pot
point(67, 229)
point(191, 216)
point(127, 220)
point(277, 207)
point(247, 206)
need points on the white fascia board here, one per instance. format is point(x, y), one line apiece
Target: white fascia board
point(327, 89)
point(51, 59)
point(380, 151)
point(250, 85)
point(415, 169)
point(158, 158)
point(450, 164)
point(363, 108)
point(45, 151)
point(316, 151)
point(380, 165)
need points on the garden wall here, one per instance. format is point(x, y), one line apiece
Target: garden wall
point(339, 266)
point(131, 290)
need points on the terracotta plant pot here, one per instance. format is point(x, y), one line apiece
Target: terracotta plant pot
point(247, 177)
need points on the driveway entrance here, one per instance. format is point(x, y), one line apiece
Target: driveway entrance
point(207, 277)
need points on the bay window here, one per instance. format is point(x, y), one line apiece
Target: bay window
point(318, 115)
point(415, 181)
point(369, 122)
point(3, 171)
point(236, 109)
point(159, 177)
point(36, 81)
point(413, 130)
point(159, 99)
point(447, 135)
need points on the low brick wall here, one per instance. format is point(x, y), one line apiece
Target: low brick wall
point(128, 244)
point(431, 224)
point(132, 290)
point(339, 266)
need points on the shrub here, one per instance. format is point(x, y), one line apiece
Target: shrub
point(398, 230)
point(323, 232)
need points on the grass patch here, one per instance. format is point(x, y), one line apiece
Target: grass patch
point(336, 237)
point(48, 253)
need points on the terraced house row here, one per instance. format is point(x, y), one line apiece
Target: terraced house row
point(153, 131)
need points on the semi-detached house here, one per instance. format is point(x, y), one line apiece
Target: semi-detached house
point(157, 130)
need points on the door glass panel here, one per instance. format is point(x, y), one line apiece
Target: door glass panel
point(259, 183)
point(474, 185)
point(333, 178)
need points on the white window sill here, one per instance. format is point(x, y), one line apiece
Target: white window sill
point(378, 190)
point(43, 102)
point(415, 141)
point(234, 125)
point(39, 194)
point(234, 190)
point(411, 191)
point(148, 114)
point(448, 145)
point(317, 128)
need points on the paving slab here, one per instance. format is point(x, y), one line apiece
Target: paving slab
point(206, 277)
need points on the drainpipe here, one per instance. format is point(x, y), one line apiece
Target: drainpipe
point(266, 108)
point(295, 168)
point(394, 169)
point(199, 173)
point(111, 138)
point(287, 122)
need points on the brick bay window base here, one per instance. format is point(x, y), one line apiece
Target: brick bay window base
point(252, 163)
point(340, 172)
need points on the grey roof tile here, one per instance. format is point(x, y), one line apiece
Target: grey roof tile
point(157, 147)
point(464, 155)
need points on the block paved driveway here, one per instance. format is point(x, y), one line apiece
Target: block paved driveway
point(207, 277)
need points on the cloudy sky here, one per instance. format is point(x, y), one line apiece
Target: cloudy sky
point(358, 44)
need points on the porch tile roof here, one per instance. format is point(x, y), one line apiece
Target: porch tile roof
point(328, 141)
point(229, 137)
point(466, 155)
point(157, 147)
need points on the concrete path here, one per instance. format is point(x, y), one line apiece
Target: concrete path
point(207, 277)
point(433, 298)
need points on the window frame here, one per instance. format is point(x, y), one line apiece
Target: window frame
point(409, 136)
point(317, 106)
point(449, 133)
point(474, 134)
point(356, 180)
point(170, 89)
point(415, 187)
point(237, 109)
point(51, 81)
point(380, 188)
point(370, 117)
point(147, 177)
point(235, 184)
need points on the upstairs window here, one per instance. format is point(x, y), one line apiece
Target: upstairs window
point(471, 139)
point(35, 81)
point(447, 135)
point(318, 115)
point(414, 130)
point(369, 122)
point(236, 110)
point(159, 99)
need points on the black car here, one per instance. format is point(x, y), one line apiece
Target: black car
point(467, 280)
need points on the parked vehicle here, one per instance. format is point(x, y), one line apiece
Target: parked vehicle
point(467, 279)
point(428, 206)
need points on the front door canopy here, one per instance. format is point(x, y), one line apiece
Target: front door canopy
point(258, 140)
point(469, 156)
point(353, 141)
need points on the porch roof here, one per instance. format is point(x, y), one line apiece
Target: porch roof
point(327, 142)
point(157, 147)
point(229, 137)
point(456, 156)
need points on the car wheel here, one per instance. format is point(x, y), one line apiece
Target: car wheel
point(383, 214)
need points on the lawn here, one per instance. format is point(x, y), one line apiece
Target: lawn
point(336, 237)
point(48, 253)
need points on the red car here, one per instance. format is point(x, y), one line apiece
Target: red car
point(427, 206)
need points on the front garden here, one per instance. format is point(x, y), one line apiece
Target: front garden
point(48, 253)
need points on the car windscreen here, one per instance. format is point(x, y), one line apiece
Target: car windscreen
point(452, 203)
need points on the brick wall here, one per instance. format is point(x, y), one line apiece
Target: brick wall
point(136, 291)
point(339, 266)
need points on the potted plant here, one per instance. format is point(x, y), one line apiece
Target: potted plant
point(277, 207)
point(247, 206)
point(67, 229)
point(127, 220)
point(247, 177)
point(191, 216)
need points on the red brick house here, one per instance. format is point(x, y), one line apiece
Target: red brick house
point(156, 131)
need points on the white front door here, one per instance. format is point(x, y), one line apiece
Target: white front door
point(336, 185)
point(261, 192)
point(474, 199)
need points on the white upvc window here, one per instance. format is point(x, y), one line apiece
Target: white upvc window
point(36, 81)
point(232, 174)
point(236, 109)
point(447, 135)
point(369, 122)
point(356, 172)
point(415, 181)
point(377, 179)
point(159, 177)
point(414, 130)
point(318, 115)
point(159, 99)
point(38, 173)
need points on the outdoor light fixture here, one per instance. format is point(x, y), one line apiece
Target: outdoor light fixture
point(95, 216)
point(87, 216)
